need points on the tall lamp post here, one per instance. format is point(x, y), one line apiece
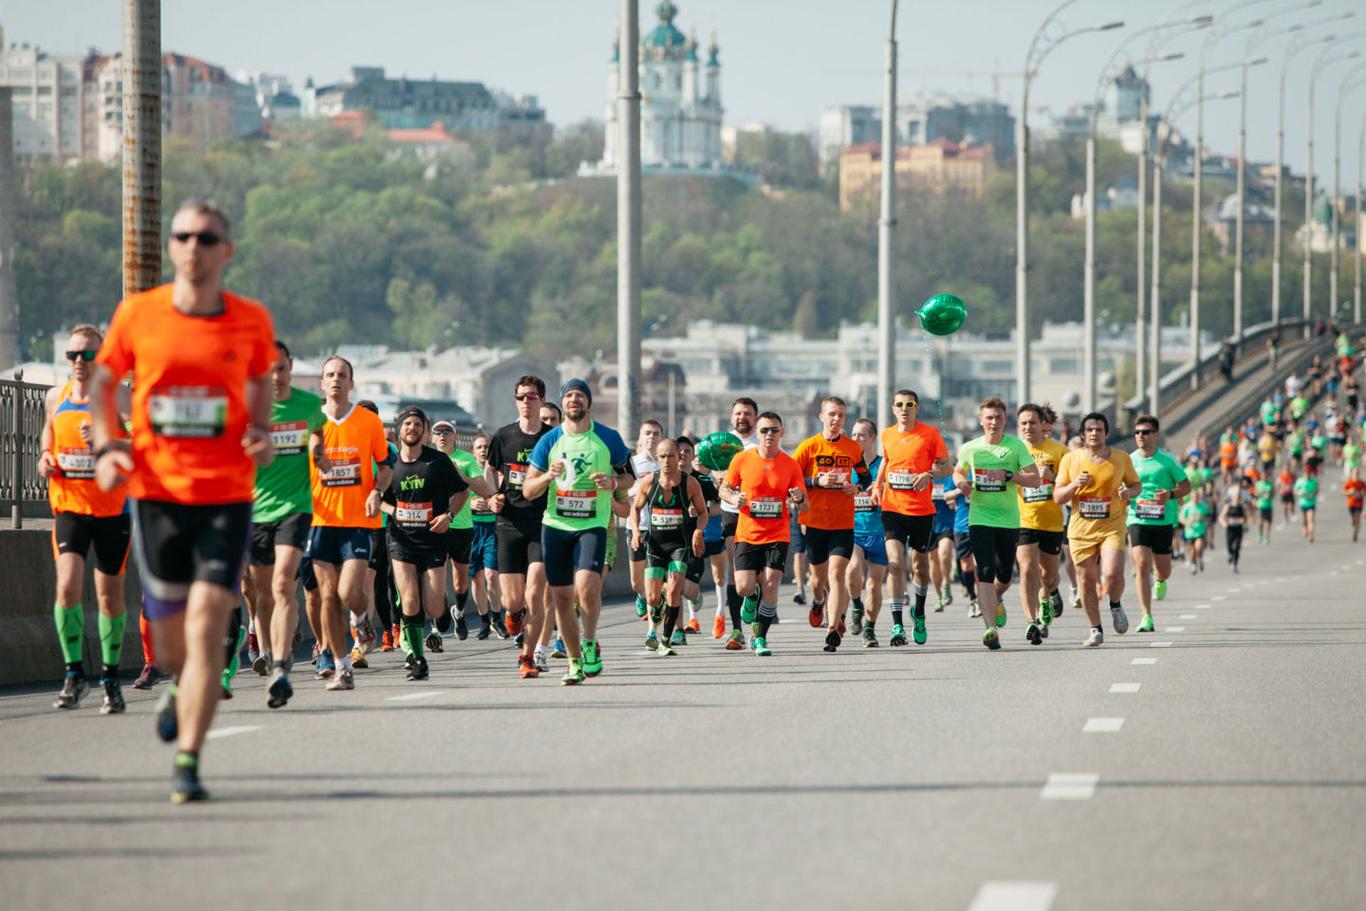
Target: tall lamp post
point(1040, 47)
point(141, 145)
point(1361, 187)
point(886, 322)
point(628, 221)
point(1344, 89)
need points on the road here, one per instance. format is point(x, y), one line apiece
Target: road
point(1219, 763)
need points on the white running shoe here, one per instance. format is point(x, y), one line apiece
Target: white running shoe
point(1119, 619)
point(1093, 638)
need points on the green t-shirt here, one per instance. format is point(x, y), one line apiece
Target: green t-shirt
point(1296, 442)
point(1298, 406)
point(1307, 489)
point(573, 501)
point(468, 466)
point(1351, 456)
point(1193, 475)
point(995, 500)
point(1160, 472)
point(1265, 493)
point(283, 487)
point(1268, 412)
point(1195, 518)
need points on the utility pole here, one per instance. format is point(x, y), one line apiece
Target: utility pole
point(9, 293)
point(886, 320)
point(141, 145)
point(628, 221)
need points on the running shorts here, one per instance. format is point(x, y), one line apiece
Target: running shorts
point(567, 552)
point(291, 531)
point(75, 533)
point(518, 548)
point(915, 532)
point(1050, 542)
point(484, 548)
point(994, 550)
point(962, 545)
point(696, 566)
point(712, 548)
point(729, 522)
point(1157, 538)
point(1084, 547)
point(874, 548)
point(758, 557)
point(1266, 515)
point(459, 544)
point(335, 545)
point(822, 544)
point(179, 544)
point(423, 557)
point(638, 553)
point(659, 563)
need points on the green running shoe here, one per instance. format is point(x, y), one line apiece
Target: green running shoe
point(1046, 610)
point(1160, 589)
point(898, 635)
point(678, 638)
point(1000, 615)
point(640, 607)
point(991, 639)
point(749, 610)
point(575, 674)
point(664, 651)
point(761, 648)
point(652, 641)
point(918, 630)
point(1147, 625)
point(592, 658)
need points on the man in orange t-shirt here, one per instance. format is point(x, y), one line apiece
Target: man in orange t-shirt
point(351, 465)
point(833, 467)
point(1354, 488)
point(914, 455)
point(200, 358)
point(764, 485)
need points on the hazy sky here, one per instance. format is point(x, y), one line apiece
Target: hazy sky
point(782, 59)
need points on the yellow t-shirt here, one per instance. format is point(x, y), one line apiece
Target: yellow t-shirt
point(1097, 510)
point(1037, 509)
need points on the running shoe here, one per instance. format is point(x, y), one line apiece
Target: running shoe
point(761, 648)
point(149, 677)
point(113, 698)
point(974, 608)
point(185, 786)
point(1056, 598)
point(484, 631)
point(856, 620)
point(462, 629)
point(749, 610)
point(693, 626)
point(898, 636)
point(253, 649)
point(358, 658)
point(816, 616)
point(991, 639)
point(799, 598)
point(1000, 615)
point(73, 688)
point(168, 728)
point(948, 595)
point(1146, 624)
point(434, 642)
point(1043, 632)
point(918, 630)
point(326, 666)
point(641, 607)
point(225, 681)
point(652, 641)
point(1033, 635)
point(574, 675)
point(592, 658)
point(386, 642)
point(346, 681)
point(939, 604)
point(500, 628)
point(526, 668)
point(520, 639)
point(718, 627)
point(408, 659)
point(514, 621)
point(736, 642)
point(832, 640)
point(665, 651)
point(1076, 603)
point(557, 648)
point(1119, 619)
point(541, 659)
point(869, 637)
point(678, 638)
point(280, 691)
point(1160, 589)
point(1093, 638)
point(419, 670)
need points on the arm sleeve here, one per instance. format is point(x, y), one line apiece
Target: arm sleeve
point(114, 351)
point(540, 456)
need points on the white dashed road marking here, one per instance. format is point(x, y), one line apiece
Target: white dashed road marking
point(1143, 662)
point(1014, 896)
point(1175, 629)
point(1187, 617)
point(1159, 645)
point(231, 731)
point(1125, 687)
point(1103, 725)
point(410, 697)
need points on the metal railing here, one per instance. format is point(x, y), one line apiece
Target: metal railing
point(22, 412)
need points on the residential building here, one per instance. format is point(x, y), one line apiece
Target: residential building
point(48, 98)
point(938, 166)
point(433, 144)
point(1258, 224)
point(846, 125)
point(408, 104)
point(1119, 117)
point(923, 119)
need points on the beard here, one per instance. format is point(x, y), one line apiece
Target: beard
point(575, 412)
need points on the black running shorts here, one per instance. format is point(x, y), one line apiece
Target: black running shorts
point(1157, 538)
point(291, 531)
point(758, 557)
point(178, 545)
point(824, 543)
point(459, 545)
point(994, 550)
point(1050, 542)
point(915, 532)
point(518, 547)
point(74, 533)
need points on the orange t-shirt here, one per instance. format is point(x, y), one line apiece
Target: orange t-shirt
point(906, 453)
point(353, 446)
point(190, 378)
point(1228, 454)
point(72, 487)
point(765, 484)
point(831, 510)
point(1354, 491)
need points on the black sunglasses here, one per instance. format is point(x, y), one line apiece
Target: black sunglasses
point(767, 430)
point(1143, 432)
point(86, 356)
point(205, 238)
point(527, 397)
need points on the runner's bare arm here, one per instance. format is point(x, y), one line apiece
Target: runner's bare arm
point(1028, 476)
point(257, 441)
point(319, 450)
point(942, 468)
point(538, 482)
point(46, 463)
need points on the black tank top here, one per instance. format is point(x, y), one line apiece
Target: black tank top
point(670, 524)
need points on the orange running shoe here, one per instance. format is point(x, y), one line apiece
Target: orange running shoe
point(718, 627)
point(514, 622)
point(736, 642)
point(386, 642)
point(525, 669)
point(694, 626)
point(816, 616)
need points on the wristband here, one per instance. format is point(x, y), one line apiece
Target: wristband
point(1009, 475)
point(107, 448)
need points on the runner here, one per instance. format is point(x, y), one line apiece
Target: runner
point(643, 463)
point(352, 465)
point(1266, 504)
point(1194, 517)
point(484, 547)
point(521, 569)
point(992, 468)
point(1152, 514)
point(801, 569)
point(281, 516)
point(460, 540)
point(692, 579)
point(1098, 480)
point(84, 518)
point(670, 501)
point(1354, 489)
point(1285, 481)
point(835, 472)
point(1307, 495)
point(577, 466)
point(744, 412)
point(914, 455)
point(550, 643)
point(200, 358)
point(426, 489)
point(942, 556)
point(1040, 542)
point(1233, 517)
point(870, 547)
point(763, 484)
point(714, 545)
point(380, 604)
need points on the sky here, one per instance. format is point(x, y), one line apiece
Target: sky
point(783, 60)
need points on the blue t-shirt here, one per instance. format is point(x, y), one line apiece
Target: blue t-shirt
point(943, 512)
point(573, 501)
point(960, 514)
point(867, 517)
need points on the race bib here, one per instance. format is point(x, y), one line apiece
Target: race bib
point(576, 504)
point(413, 515)
point(199, 412)
point(1094, 507)
point(1235, 520)
point(665, 519)
point(1041, 494)
point(77, 464)
point(516, 475)
point(766, 508)
point(1150, 509)
point(289, 437)
point(900, 480)
point(989, 480)
point(343, 473)
point(863, 502)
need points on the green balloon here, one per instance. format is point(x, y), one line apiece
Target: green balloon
point(943, 314)
point(717, 449)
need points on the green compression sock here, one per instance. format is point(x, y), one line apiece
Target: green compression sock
point(70, 631)
point(412, 635)
point(111, 639)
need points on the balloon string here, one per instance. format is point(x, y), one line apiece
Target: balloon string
point(939, 386)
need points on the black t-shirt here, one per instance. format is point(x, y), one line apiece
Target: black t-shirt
point(510, 455)
point(709, 491)
point(420, 491)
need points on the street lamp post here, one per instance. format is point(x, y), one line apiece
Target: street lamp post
point(886, 322)
point(628, 221)
point(1039, 49)
point(141, 145)
point(1344, 89)
point(1361, 187)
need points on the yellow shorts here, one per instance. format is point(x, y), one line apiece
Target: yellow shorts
point(1087, 544)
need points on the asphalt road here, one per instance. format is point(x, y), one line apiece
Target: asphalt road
point(1218, 763)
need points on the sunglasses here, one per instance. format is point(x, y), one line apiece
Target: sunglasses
point(205, 238)
point(442, 431)
point(527, 397)
point(1144, 433)
point(86, 356)
point(901, 406)
point(770, 430)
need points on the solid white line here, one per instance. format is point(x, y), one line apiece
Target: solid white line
point(1124, 687)
point(1175, 629)
point(1143, 662)
point(1070, 786)
point(1014, 896)
point(1159, 645)
point(231, 731)
point(409, 697)
point(1102, 725)
point(1187, 617)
